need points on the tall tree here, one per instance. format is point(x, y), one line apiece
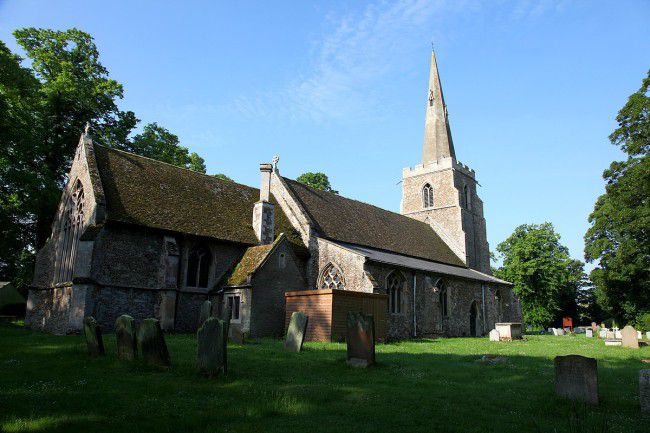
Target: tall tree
point(316, 180)
point(546, 280)
point(619, 235)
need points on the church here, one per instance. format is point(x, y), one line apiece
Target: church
point(137, 236)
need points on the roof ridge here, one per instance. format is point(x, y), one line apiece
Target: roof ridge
point(211, 176)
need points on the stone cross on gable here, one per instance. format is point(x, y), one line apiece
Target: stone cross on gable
point(275, 161)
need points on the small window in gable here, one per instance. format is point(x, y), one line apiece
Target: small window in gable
point(395, 285)
point(427, 196)
point(198, 266)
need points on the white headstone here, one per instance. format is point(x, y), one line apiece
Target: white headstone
point(618, 334)
point(647, 335)
point(589, 333)
point(613, 342)
point(603, 333)
point(494, 335)
point(639, 335)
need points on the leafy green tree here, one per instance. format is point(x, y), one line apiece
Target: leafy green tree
point(619, 235)
point(546, 280)
point(316, 180)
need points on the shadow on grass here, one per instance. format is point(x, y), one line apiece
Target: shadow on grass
point(419, 385)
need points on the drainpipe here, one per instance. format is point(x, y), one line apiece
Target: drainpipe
point(483, 305)
point(415, 320)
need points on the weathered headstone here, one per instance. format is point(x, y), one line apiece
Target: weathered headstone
point(204, 312)
point(589, 333)
point(647, 335)
point(618, 334)
point(629, 337)
point(639, 335)
point(644, 390)
point(93, 334)
point(296, 332)
point(151, 343)
point(494, 335)
point(602, 333)
point(509, 330)
point(576, 378)
point(127, 348)
point(212, 338)
point(360, 338)
point(612, 342)
point(237, 335)
point(610, 335)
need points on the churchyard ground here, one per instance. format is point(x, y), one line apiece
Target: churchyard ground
point(49, 383)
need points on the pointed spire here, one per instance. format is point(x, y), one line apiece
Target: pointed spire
point(437, 135)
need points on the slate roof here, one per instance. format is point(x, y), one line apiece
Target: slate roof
point(154, 194)
point(354, 222)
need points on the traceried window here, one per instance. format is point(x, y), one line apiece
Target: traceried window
point(199, 260)
point(395, 285)
point(444, 298)
point(332, 278)
point(71, 226)
point(427, 196)
point(234, 304)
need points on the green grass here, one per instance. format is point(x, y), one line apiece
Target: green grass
point(48, 383)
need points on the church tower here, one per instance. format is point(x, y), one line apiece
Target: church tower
point(441, 191)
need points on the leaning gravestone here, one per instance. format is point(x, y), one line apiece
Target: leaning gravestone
point(628, 338)
point(494, 335)
point(589, 333)
point(296, 332)
point(204, 312)
point(127, 348)
point(576, 378)
point(151, 343)
point(212, 338)
point(644, 390)
point(94, 340)
point(360, 338)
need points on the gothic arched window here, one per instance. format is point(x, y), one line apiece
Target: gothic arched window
point(71, 225)
point(468, 201)
point(444, 298)
point(199, 260)
point(395, 285)
point(332, 278)
point(427, 196)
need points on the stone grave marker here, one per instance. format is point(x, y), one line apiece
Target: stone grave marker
point(204, 312)
point(647, 335)
point(237, 335)
point(127, 348)
point(212, 339)
point(589, 333)
point(576, 378)
point(644, 390)
point(93, 334)
point(494, 335)
point(618, 334)
point(610, 335)
point(602, 333)
point(629, 337)
point(612, 342)
point(639, 335)
point(296, 332)
point(151, 343)
point(360, 339)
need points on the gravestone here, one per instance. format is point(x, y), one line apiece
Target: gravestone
point(644, 390)
point(296, 332)
point(237, 335)
point(602, 333)
point(93, 334)
point(494, 335)
point(509, 330)
point(212, 339)
point(589, 333)
point(629, 338)
point(360, 338)
point(127, 348)
point(618, 334)
point(639, 335)
point(576, 378)
point(204, 312)
point(610, 335)
point(612, 342)
point(647, 335)
point(151, 343)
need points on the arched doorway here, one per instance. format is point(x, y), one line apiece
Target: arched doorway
point(473, 317)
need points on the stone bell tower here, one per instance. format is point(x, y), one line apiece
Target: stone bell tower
point(441, 191)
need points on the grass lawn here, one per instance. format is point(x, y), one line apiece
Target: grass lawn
point(48, 383)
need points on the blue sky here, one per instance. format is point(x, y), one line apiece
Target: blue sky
point(532, 87)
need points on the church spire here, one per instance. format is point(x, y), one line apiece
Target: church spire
point(437, 135)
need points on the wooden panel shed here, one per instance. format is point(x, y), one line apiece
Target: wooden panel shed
point(328, 309)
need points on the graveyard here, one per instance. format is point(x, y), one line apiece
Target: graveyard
point(51, 383)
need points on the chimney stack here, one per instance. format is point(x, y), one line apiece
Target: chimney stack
point(264, 212)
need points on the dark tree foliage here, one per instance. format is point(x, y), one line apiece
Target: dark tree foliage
point(43, 110)
point(546, 279)
point(316, 180)
point(619, 235)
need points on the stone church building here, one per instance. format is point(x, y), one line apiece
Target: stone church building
point(137, 236)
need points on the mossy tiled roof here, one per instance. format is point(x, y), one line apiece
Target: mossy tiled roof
point(251, 260)
point(346, 220)
point(154, 194)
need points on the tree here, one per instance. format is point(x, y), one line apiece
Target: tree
point(222, 177)
point(316, 180)
point(619, 234)
point(546, 280)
